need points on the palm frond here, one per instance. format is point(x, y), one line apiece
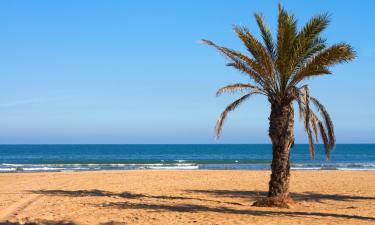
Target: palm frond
point(257, 50)
point(307, 43)
point(311, 142)
point(229, 108)
point(261, 56)
point(308, 120)
point(286, 35)
point(306, 99)
point(328, 122)
point(296, 95)
point(311, 120)
point(240, 62)
point(266, 35)
point(237, 87)
point(313, 28)
point(277, 65)
point(298, 63)
point(335, 54)
point(324, 136)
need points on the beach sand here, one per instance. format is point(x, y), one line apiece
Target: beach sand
point(183, 197)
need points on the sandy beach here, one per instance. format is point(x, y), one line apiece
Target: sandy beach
point(183, 197)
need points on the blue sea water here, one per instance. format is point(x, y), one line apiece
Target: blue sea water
point(30, 158)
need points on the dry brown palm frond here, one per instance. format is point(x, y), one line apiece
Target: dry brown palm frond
point(257, 50)
point(328, 122)
point(313, 122)
point(325, 140)
point(311, 143)
point(307, 121)
point(323, 135)
point(264, 86)
point(240, 62)
point(243, 68)
point(261, 56)
point(308, 116)
point(306, 98)
point(237, 87)
point(231, 107)
point(277, 66)
point(235, 54)
point(296, 95)
point(326, 130)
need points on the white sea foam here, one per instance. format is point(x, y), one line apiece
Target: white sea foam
point(357, 169)
point(179, 165)
point(7, 169)
point(306, 168)
point(335, 166)
point(91, 166)
point(8, 164)
point(174, 167)
point(42, 168)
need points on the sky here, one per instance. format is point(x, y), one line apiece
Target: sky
point(135, 71)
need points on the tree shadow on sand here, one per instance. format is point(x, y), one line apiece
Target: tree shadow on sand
point(305, 196)
point(192, 208)
point(250, 195)
point(200, 208)
point(126, 195)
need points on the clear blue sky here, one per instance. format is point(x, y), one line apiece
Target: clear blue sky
point(134, 71)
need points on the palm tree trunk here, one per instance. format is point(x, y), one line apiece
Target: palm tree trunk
point(282, 137)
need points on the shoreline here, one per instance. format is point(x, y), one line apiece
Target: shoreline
point(45, 167)
point(263, 170)
point(176, 169)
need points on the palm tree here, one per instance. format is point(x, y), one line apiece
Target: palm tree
point(278, 70)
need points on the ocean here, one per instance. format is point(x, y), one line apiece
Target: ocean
point(35, 158)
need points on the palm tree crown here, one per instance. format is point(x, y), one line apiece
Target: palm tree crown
point(278, 69)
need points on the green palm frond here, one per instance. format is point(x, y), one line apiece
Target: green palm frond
point(318, 65)
point(314, 27)
point(315, 47)
point(286, 35)
point(266, 34)
point(277, 65)
point(307, 43)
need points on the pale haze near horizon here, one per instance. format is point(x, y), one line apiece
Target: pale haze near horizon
point(135, 72)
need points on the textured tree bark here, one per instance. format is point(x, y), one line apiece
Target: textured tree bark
point(282, 137)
